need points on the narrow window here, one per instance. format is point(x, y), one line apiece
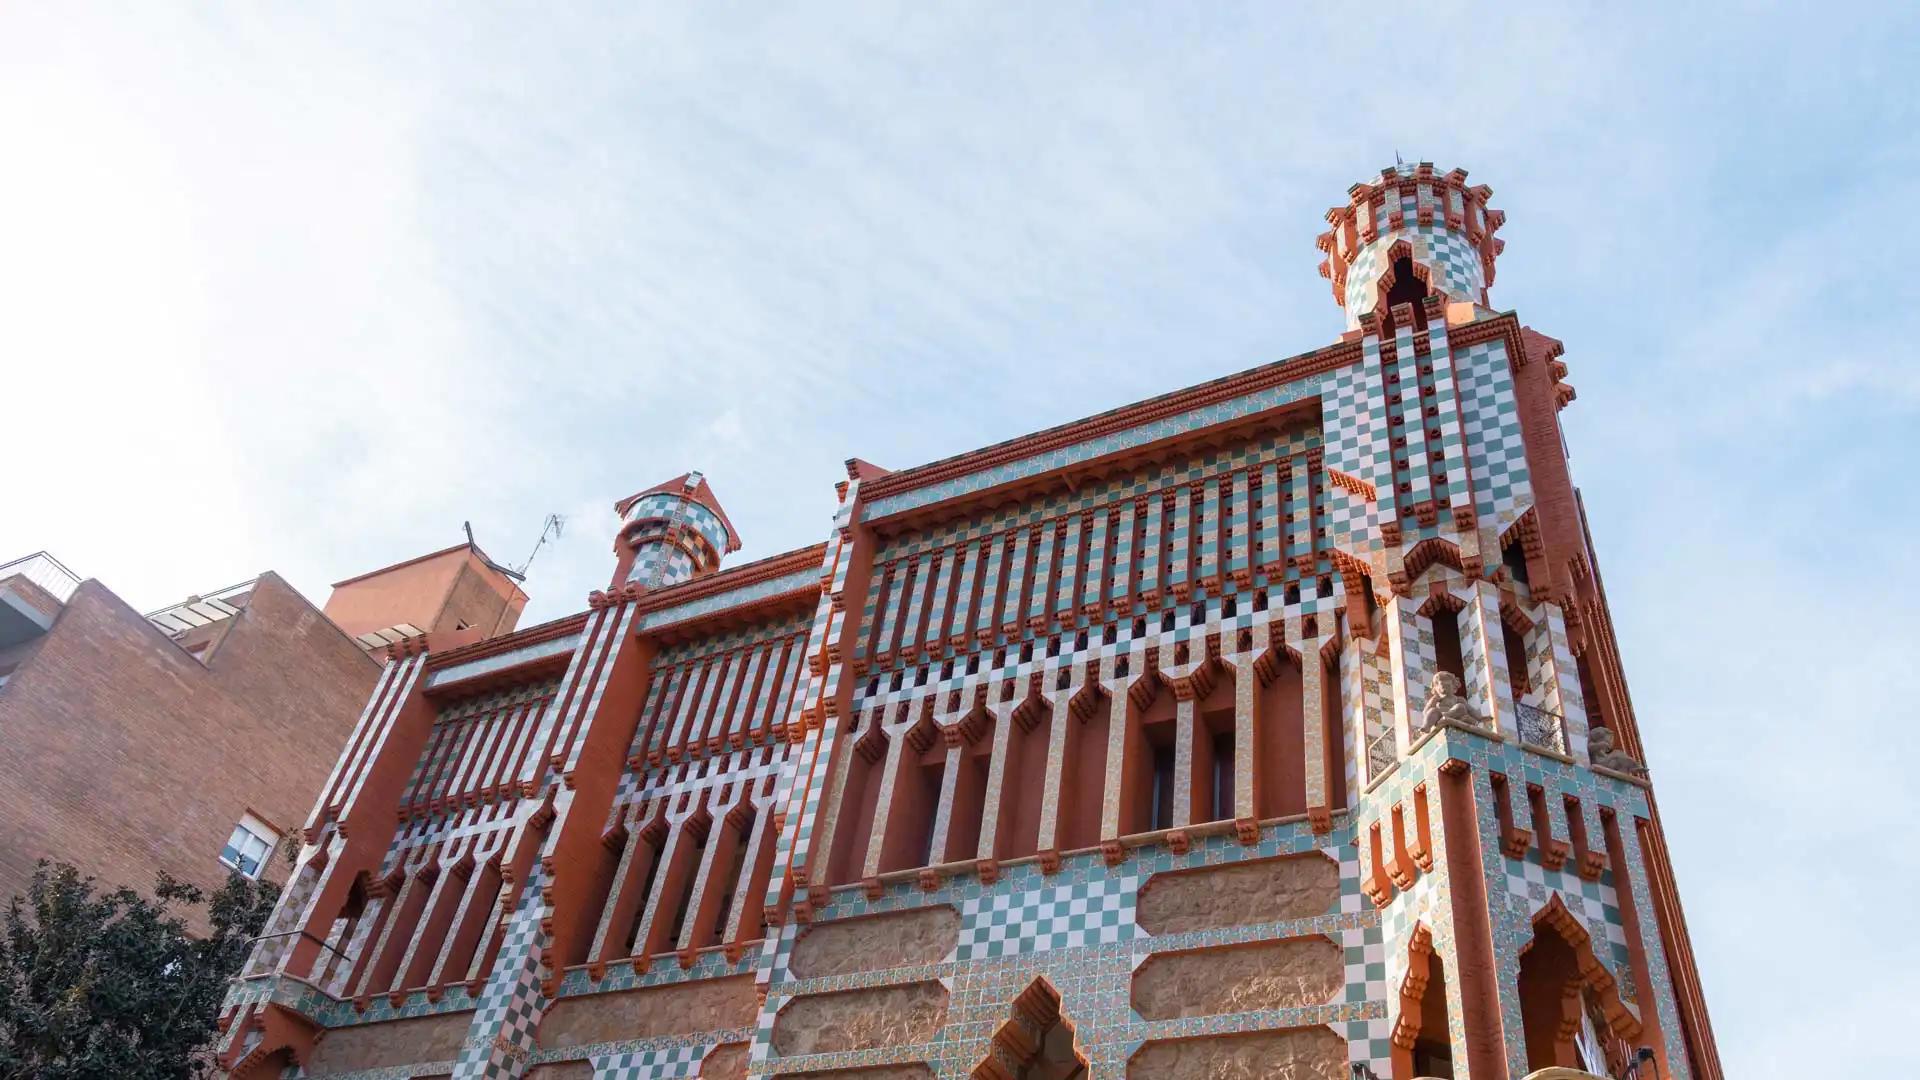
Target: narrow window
point(1446, 644)
point(1514, 558)
point(1163, 758)
point(1223, 776)
point(646, 890)
point(1516, 658)
point(683, 910)
point(732, 879)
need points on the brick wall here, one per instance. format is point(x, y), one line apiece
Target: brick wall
point(126, 756)
point(491, 605)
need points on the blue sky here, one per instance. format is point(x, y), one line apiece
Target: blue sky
point(304, 290)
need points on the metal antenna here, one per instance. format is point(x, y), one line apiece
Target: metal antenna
point(553, 526)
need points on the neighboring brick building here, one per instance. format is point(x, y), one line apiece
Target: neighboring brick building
point(191, 739)
point(1272, 727)
point(447, 592)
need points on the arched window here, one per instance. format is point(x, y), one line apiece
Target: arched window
point(1559, 982)
point(1407, 288)
point(1547, 969)
point(1421, 1043)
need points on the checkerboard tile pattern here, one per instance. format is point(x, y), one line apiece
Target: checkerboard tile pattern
point(1194, 419)
point(1594, 903)
point(1513, 927)
point(1070, 916)
point(660, 564)
point(1453, 261)
point(511, 1004)
point(1496, 447)
point(667, 1063)
point(1354, 416)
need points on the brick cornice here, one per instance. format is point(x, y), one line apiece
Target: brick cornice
point(1279, 373)
point(739, 577)
point(519, 639)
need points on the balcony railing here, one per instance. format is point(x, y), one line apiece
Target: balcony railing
point(45, 571)
point(1543, 728)
point(1381, 753)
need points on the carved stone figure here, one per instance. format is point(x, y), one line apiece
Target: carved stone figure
point(1446, 705)
point(1601, 751)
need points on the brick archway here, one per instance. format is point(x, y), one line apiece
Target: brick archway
point(1583, 975)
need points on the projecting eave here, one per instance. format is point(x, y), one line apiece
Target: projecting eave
point(740, 594)
point(510, 658)
point(1089, 446)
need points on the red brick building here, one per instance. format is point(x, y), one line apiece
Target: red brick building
point(1270, 727)
point(250, 691)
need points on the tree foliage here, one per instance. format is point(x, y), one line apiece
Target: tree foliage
point(110, 983)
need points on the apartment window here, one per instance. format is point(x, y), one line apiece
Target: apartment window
point(247, 849)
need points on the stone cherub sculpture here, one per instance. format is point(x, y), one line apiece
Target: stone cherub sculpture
point(1601, 751)
point(1445, 705)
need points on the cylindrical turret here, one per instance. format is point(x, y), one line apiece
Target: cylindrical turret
point(1411, 218)
point(670, 533)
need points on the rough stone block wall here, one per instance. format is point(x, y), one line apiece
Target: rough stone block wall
point(390, 1044)
point(1253, 892)
point(1287, 974)
point(903, 939)
point(726, 1062)
point(709, 1005)
point(1297, 1054)
point(860, 1019)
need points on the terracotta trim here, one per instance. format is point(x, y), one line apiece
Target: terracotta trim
point(1625, 887)
point(737, 577)
point(1696, 1027)
point(1301, 366)
point(1555, 918)
point(519, 639)
point(1476, 970)
point(751, 611)
point(701, 494)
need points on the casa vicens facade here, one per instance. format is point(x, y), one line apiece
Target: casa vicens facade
point(1273, 727)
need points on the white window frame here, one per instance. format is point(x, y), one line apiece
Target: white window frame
point(249, 828)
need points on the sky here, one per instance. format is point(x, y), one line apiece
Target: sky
point(303, 288)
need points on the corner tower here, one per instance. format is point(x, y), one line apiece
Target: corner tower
point(1411, 221)
point(670, 533)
